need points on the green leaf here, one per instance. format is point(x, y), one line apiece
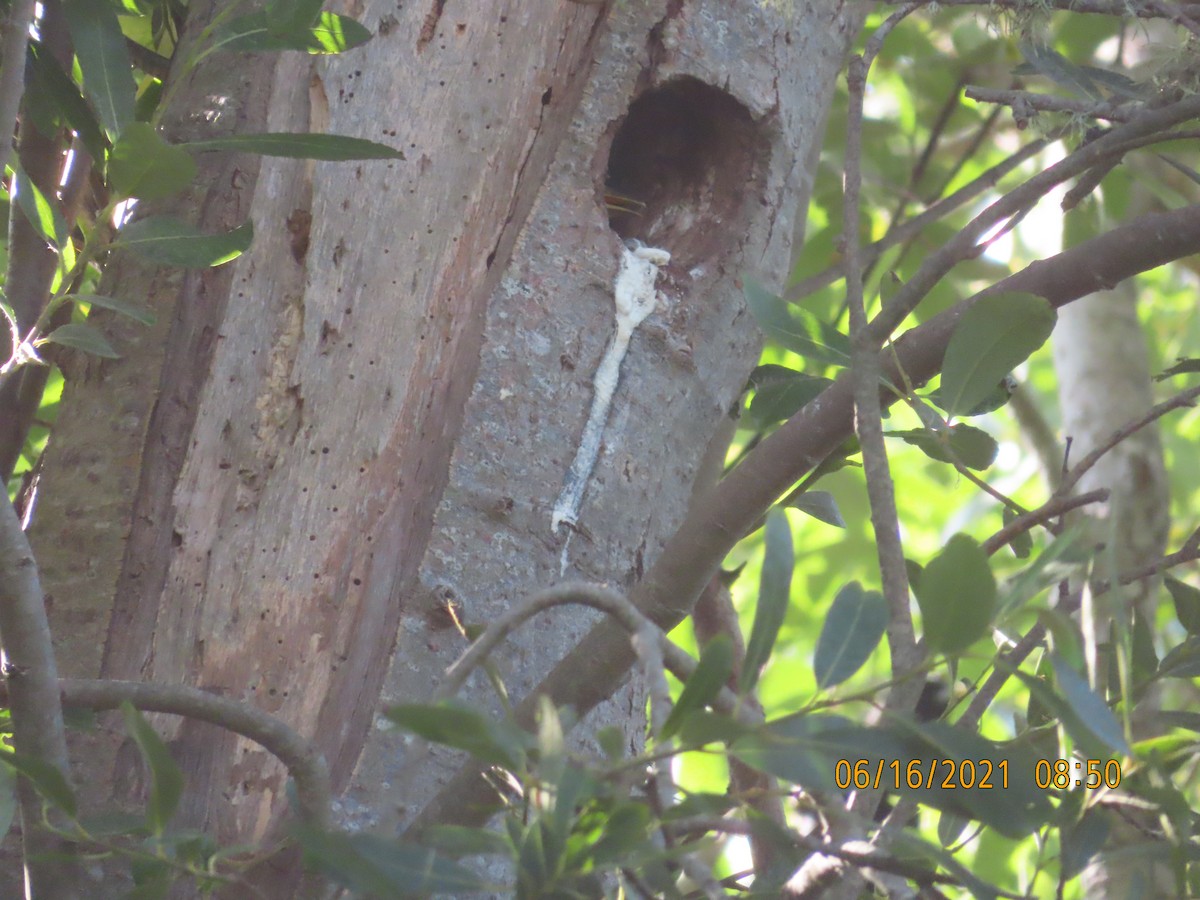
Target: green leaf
point(42, 212)
point(459, 840)
point(773, 590)
point(66, 96)
point(801, 749)
point(820, 505)
point(166, 779)
point(1183, 366)
point(701, 727)
point(455, 725)
point(1021, 545)
point(135, 311)
point(82, 336)
point(998, 397)
point(782, 394)
point(1182, 661)
point(49, 782)
point(8, 799)
point(329, 147)
point(993, 337)
point(251, 33)
point(144, 166)
point(973, 447)
point(1089, 707)
point(796, 329)
point(171, 242)
point(957, 596)
point(851, 632)
point(374, 865)
point(284, 16)
point(1060, 560)
point(1013, 805)
point(104, 59)
point(1187, 603)
point(1083, 841)
point(710, 675)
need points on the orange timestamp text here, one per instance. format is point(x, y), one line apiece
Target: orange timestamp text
point(948, 774)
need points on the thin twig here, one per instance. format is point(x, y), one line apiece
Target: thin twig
point(1180, 400)
point(1024, 101)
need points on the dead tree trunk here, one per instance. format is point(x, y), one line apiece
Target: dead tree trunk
point(276, 492)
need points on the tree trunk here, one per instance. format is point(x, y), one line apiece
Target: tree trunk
point(276, 491)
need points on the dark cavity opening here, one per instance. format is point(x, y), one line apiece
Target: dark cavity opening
point(683, 167)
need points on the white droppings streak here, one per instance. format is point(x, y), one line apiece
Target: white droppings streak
point(635, 297)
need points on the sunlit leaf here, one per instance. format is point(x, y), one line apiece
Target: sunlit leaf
point(169, 241)
point(850, 634)
point(68, 99)
point(995, 335)
point(41, 211)
point(144, 166)
point(252, 33)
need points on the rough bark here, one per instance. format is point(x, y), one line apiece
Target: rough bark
point(245, 500)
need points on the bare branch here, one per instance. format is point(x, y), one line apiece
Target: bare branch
point(1023, 102)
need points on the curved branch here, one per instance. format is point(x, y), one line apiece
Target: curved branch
point(303, 761)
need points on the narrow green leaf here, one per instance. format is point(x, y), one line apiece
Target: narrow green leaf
point(459, 840)
point(993, 337)
point(1182, 661)
point(821, 506)
point(135, 311)
point(774, 588)
point(104, 59)
point(1083, 841)
point(852, 630)
point(957, 596)
point(42, 212)
point(1187, 603)
point(1089, 707)
point(330, 147)
point(251, 33)
point(796, 329)
point(284, 16)
point(144, 166)
point(377, 866)
point(169, 241)
point(1060, 560)
point(455, 725)
point(66, 96)
point(1021, 545)
point(780, 398)
point(973, 447)
point(49, 782)
point(1143, 656)
point(82, 336)
point(801, 749)
point(1183, 366)
point(166, 779)
point(710, 675)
